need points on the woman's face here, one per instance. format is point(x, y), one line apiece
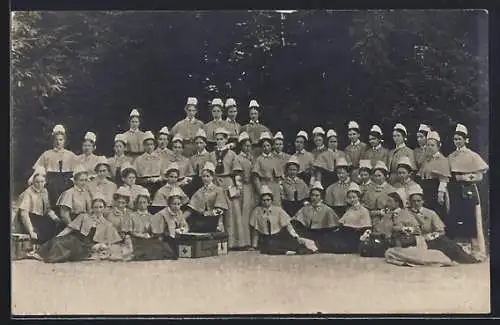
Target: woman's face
point(59, 141)
point(421, 139)
point(246, 146)
point(98, 207)
point(299, 143)
point(130, 179)
point(254, 115)
point(220, 140)
point(134, 123)
point(88, 147)
point(207, 177)
point(149, 146)
point(200, 144)
point(373, 140)
point(142, 203)
point(232, 112)
point(172, 177)
point(292, 170)
point(364, 175)
point(391, 203)
point(81, 180)
point(333, 143)
point(342, 174)
point(191, 111)
point(266, 147)
point(378, 177)
point(352, 197)
point(175, 204)
point(353, 135)
point(266, 201)
point(416, 201)
point(121, 202)
point(318, 141)
point(458, 140)
point(39, 182)
point(278, 145)
point(403, 173)
point(217, 112)
point(432, 146)
point(119, 148)
point(315, 196)
point(177, 147)
point(102, 172)
point(163, 141)
point(397, 137)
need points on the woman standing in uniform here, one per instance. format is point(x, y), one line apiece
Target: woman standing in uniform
point(77, 199)
point(319, 141)
point(467, 169)
point(355, 147)
point(420, 151)
point(248, 197)
point(216, 123)
point(254, 129)
point(188, 127)
point(279, 154)
point(179, 158)
point(266, 170)
point(324, 164)
point(336, 193)
point(196, 162)
point(116, 162)
point(305, 157)
point(58, 163)
point(399, 135)
point(101, 184)
point(434, 175)
point(364, 175)
point(232, 126)
point(88, 159)
point(163, 140)
point(134, 137)
point(294, 190)
point(149, 165)
point(375, 151)
point(38, 220)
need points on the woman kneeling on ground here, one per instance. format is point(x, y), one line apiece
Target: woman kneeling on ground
point(272, 231)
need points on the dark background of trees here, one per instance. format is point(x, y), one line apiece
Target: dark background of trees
point(87, 70)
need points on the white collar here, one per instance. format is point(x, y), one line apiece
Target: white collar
point(300, 152)
point(203, 152)
point(209, 186)
point(464, 148)
point(436, 155)
point(217, 120)
point(321, 148)
point(367, 182)
point(267, 155)
point(356, 143)
point(190, 119)
point(254, 122)
point(377, 147)
point(133, 131)
point(230, 121)
point(399, 146)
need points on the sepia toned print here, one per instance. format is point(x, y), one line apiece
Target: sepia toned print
point(250, 162)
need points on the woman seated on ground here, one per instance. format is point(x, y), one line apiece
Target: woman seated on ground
point(391, 226)
point(168, 223)
point(160, 200)
point(294, 189)
point(432, 229)
point(207, 205)
point(78, 239)
point(316, 221)
point(77, 199)
point(353, 224)
point(145, 244)
point(272, 231)
point(36, 217)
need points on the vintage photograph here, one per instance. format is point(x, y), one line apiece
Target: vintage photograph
point(176, 163)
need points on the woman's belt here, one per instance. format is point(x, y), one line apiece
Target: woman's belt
point(469, 177)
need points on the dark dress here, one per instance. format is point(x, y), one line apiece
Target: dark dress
point(68, 248)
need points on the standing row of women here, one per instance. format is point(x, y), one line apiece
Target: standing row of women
point(224, 197)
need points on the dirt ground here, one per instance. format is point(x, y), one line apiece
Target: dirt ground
point(249, 283)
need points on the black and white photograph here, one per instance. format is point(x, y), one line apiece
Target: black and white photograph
point(249, 162)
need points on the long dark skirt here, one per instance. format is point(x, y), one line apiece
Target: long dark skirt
point(57, 182)
point(451, 249)
point(189, 149)
point(374, 246)
point(430, 187)
point(321, 237)
point(193, 186)
point(328, 177)
point(305, 176)
point(460, 222)
point(291, 207)
point(339, 210)
point(151, 187)
point(71, 247)
point(44, 227)
point(154, 249)
point(343, 241)
point(280, 243)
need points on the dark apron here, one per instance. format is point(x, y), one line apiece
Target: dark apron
point(430, 188)
point(374, 246)
point(71, 247)
point(322, 237)
point(57, 183)
point(460, 222)
point(292, 207)
point(280, 243)
point(452, 250)
point(200, 223)
point(328, 177)
point(44, 227)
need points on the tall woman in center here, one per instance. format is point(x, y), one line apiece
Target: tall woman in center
point(227, 175)
point(254, 128)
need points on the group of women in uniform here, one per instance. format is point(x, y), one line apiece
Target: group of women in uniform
point(222, 176)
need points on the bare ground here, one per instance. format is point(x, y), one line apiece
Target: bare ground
point(247, 282)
